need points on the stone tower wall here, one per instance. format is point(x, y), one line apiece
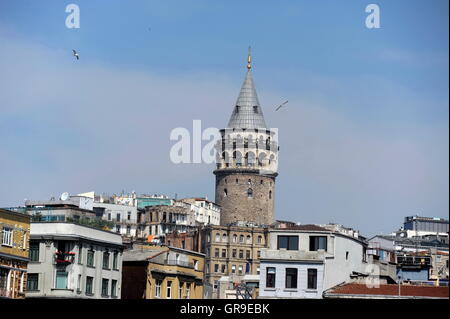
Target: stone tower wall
point(232, 193)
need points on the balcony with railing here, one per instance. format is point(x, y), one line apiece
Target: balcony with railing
point(64, 258)
point(413, 262)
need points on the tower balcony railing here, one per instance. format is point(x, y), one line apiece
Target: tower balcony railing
point(225, 145)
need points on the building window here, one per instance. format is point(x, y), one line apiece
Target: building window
point(346, 255)
point(105, 283)
point(109, 216)
point(32, 282)
point(224, 253)
point(61, 279)
point(90, 257)
point(258, 253)
point(288, 242)
point(257, 270)
point(249, 239)
point(224, 238)
point(216, 268)
point(79, 284)
point(241, 238)
point(216, 253)
point(25, 241)
point(118, 217)
point(89, 285)
point(34, 251)
point(312, 278)
point(233, 269)
point(259, 239)
point(291, 277)
point(129, 216)
point(223, 268)
point(270, 194)
point(234, 238)
point(115, 259)
point(250, 193)
point(195, 264)
point(234, 253)
point(128, 230)
point(7, 236)
point(169, 290)
point(317, 242)
point(237, 181)
point(247, 254)
point(180, 290)
point(270, 277)
point(255, 109)
point(217, 237)
point(241, 254)
point(240, 269)
point(80, 253)
point(225, 192)
point(158, 288)
point(106, 260)
point(117, 228)
point(113, 288)
point(188, 290)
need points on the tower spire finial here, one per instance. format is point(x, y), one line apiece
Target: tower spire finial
point(249, 59)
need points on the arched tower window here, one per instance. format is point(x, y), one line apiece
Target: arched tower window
point(237, 157)
point(225, 192)
point(250, 159)
point(250, 193)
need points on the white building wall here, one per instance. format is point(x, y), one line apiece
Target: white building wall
point(280, 290)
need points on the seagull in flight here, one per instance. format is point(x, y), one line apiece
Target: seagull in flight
point(75, 54)
point(281, 106)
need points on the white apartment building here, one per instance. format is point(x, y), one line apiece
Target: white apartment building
point(73, 261)
point(205, 212)
point(302, 261)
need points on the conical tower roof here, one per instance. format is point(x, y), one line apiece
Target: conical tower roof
point(247, 112)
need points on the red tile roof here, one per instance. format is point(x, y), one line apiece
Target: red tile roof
point(390, 290)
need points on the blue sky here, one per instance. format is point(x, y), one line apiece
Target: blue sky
point(364, 140)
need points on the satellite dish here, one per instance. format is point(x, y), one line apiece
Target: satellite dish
point(64, 196)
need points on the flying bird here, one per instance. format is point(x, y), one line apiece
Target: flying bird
point(280, 106)
point(75, 54)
